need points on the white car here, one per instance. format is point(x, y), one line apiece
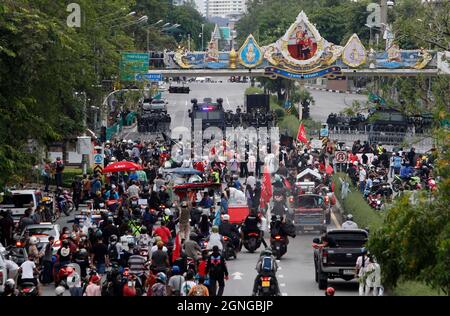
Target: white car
point(42, 232)
point(3, 273)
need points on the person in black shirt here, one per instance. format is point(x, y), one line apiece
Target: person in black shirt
point(99, 256)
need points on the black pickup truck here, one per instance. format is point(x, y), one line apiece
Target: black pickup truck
point(336, 254)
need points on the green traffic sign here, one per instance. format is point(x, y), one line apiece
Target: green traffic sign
point(133, 63)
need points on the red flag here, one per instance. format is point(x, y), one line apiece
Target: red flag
point(329, 170)
point(266, 188)
point(301, 136)
point(177, 249)
point(213, 151)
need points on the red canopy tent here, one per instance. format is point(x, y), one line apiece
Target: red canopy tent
point(122, 166)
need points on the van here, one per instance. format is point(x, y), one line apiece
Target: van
point(17, 201)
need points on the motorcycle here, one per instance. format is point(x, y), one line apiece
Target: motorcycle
point(413, 183)
point(266, 286)
point(375, 201)
point(252, 241)
point(228, 248)
point(279, 246)
point(64, 203)
point(431, 184)
point(61, 276)
point(28, 289)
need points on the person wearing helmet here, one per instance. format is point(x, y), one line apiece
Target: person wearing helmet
point(215, 238)
point(33, 250)
point(230, 230)
point(266, 266)
point(329, 291)
point(10, 288)
point(200, 289)
point(60, 290)
point(349, 223)
point(217, 270)
point(160, 288)
point(175, 282)
point(64, 254)
point(28, 270)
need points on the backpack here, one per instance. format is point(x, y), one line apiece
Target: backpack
point(216, 265)
point(267, 264)
point(113, 254)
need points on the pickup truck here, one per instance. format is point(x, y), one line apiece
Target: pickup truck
point(310, 212)
point(19, 200)
point(336, 254)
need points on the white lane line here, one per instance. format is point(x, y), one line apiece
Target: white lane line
point(280, 268)
point(281, 276)
point(284, 294)
point(278, 261)
point(335, 221)
point(283, 284)
point(228, 102)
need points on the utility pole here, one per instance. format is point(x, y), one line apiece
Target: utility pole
point(189, 42)
point(203, 35)
point(384, 15)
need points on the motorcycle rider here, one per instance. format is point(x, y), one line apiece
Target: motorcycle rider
point(115, 250)
point(266, 266)
point(192, 249)
point(230, 230)
point(10, 288)
point(277, 228)
point(252, 224)
point(349, 223)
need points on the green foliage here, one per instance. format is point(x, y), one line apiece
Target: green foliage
point(355, 204)
point(253, 90)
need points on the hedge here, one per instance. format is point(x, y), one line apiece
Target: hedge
point(355, 204)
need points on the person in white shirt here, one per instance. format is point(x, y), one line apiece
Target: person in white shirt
point(362, 179)
point(127, 239)
point(215, 239)
point(155, 247)
point(133, 190)
point(372, 275)
point(28, 271)
point(188, 284)
point(74, 284)
point(361, 264)
point(251, 164)
point(349, 223)
point(13, 269)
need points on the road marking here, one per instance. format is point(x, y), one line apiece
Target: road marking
point(280, 268)
point(281, 276)
point(237, 275)
point(284, 294)
point(228, 102)
point(335, 221)
point(278, 261)
point(283, 284)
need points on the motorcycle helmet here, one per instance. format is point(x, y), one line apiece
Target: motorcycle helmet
point(226, 217)
point(65, 251)
point(330, 291)
point(168, 212)
point(10, 284)
point(277, 178)
point(83, 253)
point(59, 291)
point(175, 269)
point(33, 240)
point(143, 230)
point(349, 217)
point(113, 239)
point(161, 277)
point(268, 251)
point(95, 278)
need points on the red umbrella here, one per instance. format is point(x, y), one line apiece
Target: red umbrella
point(122, 166)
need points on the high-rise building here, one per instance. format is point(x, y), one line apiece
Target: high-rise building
point(224, 8)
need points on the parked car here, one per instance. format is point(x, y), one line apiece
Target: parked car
point(337, 259)
point(19, 200)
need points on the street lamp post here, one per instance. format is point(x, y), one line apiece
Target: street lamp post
point(203, 35)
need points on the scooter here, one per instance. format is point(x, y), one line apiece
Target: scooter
point(375, 201)
point(266, 286)
point(228, 248)
point(28, 289)
point(252, 241)
point(64, 203)
point(61, 276)
point(279, 246)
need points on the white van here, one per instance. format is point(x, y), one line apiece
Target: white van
point(19, 200)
